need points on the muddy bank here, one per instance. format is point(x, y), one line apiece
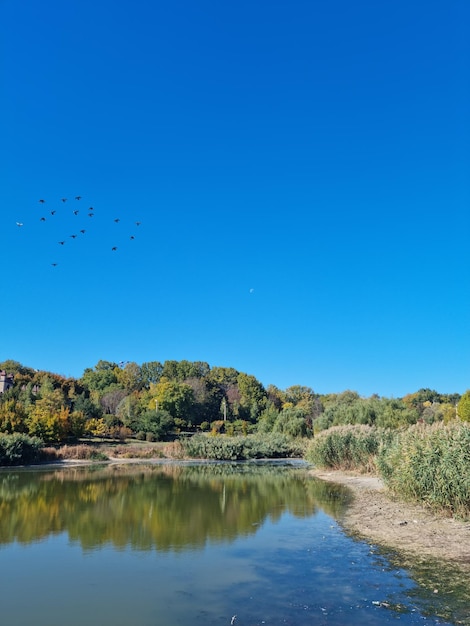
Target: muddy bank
point(374, 514)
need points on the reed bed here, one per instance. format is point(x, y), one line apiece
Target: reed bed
point(353, 447)
point(431, 464)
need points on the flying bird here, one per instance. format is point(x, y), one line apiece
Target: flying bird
point(53, 212)
point(41, 201)
point(137, 223)
point(73, 236)
point(19, 223)
point(75, 212)
point(61, 242)
point(64, 199)
point(83, 232)
point(78, 197)
point(42, 219)
point(132, 237)
point(90, 214)
point(114, 248)
point(117, 220)
point(54, 264)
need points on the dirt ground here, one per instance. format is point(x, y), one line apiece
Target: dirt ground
point(377, 516)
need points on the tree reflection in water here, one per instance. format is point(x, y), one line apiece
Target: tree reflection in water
point(163, 507)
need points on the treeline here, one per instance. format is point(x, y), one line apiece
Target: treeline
point(154, 400)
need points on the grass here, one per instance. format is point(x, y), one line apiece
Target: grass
point(347, 448)
point(431, 464)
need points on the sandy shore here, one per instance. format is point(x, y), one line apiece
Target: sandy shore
point(377, 516)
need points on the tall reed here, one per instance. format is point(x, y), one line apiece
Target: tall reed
point(352, 447)
point(430, 464)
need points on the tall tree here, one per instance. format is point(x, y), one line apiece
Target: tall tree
point(151, 372)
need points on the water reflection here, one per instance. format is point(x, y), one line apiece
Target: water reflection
point(169, 544)
point(163, 507)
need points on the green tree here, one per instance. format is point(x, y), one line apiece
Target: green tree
point(292, 422)
point(130, 377)
point(151, 372)
point(159, 423)
point(174, 397)
point(463, 407)
point(267, 418)
point(207, 398)
point(86, 406)
point(101, 377)
point(252, 396)
point(223, 375)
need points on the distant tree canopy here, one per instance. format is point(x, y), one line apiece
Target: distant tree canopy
point(157, 400)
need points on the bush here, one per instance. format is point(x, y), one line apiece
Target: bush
point(347, 447)
point(19, 449)
point(430, 464)
point(225, 448)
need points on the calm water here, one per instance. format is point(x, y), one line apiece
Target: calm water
point(170, 545)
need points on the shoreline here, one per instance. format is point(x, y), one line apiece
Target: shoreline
point(377, 515)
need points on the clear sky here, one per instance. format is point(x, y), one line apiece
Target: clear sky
point(300, 169)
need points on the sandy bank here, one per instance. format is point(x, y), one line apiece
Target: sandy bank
point(377, 516)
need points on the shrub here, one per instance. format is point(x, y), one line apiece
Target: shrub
point(19, 449)
point(430, 464)
point(221, 447)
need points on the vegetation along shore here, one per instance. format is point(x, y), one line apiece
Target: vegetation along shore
point(407, 460)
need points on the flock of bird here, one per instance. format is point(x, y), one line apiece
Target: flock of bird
point(90, 212)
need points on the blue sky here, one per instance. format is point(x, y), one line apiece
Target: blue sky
point(300, 170)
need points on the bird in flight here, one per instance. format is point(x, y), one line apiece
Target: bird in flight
point(64, 199)
point(132, 237)
point(75, 212)
point(90, 214)
point(114, 248)
point(61, 242)
point(137, 223)
point(83, 231)
point(53, 212)
point(73, 236)
point(41, 201)
point(42, 219)
point(78, 197)
point(117, 220)
point(19, 223)
point(54, 264)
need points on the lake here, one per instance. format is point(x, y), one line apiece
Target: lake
point(180, 544)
